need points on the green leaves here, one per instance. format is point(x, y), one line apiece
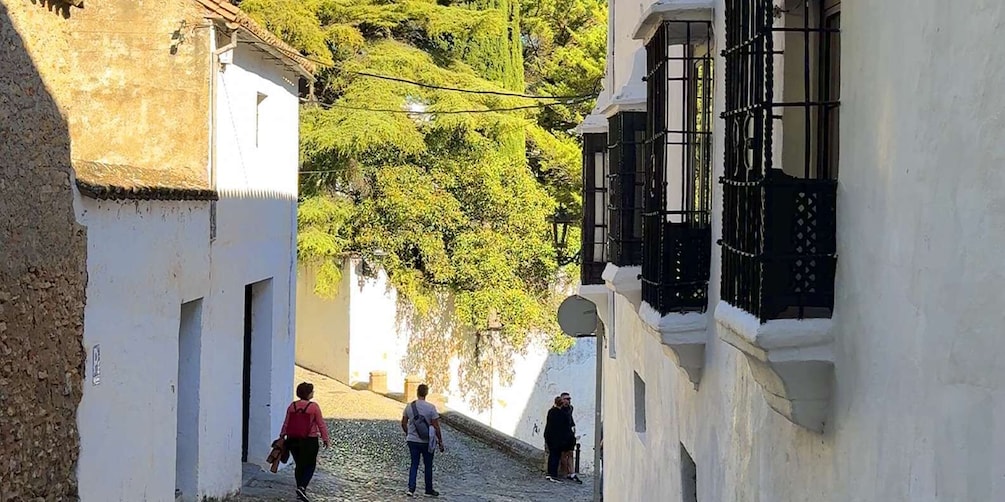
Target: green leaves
point(453, 206)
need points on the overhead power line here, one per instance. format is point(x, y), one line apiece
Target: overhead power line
point(400, 80)
point(444, 112)
point(470, 91)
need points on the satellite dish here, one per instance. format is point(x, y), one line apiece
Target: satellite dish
point(577, 316)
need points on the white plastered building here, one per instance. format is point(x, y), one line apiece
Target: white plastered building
point(793, 251)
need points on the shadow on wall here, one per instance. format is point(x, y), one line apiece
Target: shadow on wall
point(572, 372)
point(486, 380)
point(483, 360)
point(59, 7)
point(42, 273)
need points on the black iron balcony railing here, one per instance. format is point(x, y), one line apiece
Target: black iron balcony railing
point(778, 224)
point(677, 216)
point(626, 182)
point(594, 245)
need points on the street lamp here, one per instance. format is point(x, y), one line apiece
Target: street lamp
point(560, 222)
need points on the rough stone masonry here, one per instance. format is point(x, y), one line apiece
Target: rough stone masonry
point(42, 273)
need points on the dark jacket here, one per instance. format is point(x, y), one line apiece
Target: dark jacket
point(572, 421)
point(558, 429)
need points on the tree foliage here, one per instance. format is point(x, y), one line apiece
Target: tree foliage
point(453, 206)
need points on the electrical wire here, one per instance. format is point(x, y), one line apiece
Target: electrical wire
point(470, 91)
point(434, 86)
point(444, 112)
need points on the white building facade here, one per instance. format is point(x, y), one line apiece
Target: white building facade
point(189, 321)
point(798, 304)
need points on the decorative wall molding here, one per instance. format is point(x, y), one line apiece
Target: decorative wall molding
point(625, 282)
point(683, 337)
point(792, 360)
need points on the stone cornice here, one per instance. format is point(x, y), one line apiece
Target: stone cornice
point(791, 359)
point(683, 337)
point(673, 10)
point(625, 282)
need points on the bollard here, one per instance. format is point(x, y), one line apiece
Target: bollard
point(577, 459)
point(411, 388)
point(378, 382)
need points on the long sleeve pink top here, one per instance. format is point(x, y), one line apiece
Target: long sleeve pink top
point(318, 426)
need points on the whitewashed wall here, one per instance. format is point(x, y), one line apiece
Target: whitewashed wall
point(322, 328)
point(144, 260)
point(520, 407)
point(147, 258)
point(255, 241)
point(378, 343)
point(919, 406)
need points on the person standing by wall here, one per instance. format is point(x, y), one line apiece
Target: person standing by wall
point(419, 416)
point(567, 466)
point(303, 425)
point(557, 434)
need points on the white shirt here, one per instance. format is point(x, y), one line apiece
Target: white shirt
point(426, 410)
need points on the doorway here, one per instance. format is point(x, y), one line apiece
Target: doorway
point(688, 476)
point(256, 393)
point(187, 407)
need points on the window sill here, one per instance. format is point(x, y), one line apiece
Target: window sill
point(791, 359)
point(672, 10)
point(625, 282)
point(683, 337)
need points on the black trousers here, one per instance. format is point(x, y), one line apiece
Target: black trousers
point(305, 454)
point(554, 459)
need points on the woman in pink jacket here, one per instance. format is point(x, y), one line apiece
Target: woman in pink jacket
point(303, 426)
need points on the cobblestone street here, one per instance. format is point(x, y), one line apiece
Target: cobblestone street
point(368, 460)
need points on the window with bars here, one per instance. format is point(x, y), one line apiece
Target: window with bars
point(676, 227)
point(626, 182)
point(595, 172)
point(782, 65)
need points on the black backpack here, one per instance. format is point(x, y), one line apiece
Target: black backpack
point(420, 423)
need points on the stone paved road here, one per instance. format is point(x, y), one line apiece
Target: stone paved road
point(368, 462)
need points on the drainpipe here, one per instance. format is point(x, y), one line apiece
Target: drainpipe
point(598, 424)
point(215, 65)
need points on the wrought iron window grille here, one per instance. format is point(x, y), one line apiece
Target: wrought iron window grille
point(626, 182)
point(594, 235)
point(779, 217)
point(678, 147)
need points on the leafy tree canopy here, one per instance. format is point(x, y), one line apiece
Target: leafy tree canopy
point(450, 203)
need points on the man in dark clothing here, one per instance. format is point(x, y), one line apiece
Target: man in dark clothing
point(557, 435)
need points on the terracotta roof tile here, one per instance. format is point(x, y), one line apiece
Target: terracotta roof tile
point(232, 14)
point(100, 180)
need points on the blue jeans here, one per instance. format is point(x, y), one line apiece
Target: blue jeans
point(417, 450)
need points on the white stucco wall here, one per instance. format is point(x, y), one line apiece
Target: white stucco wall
point(520, 407)
point(144, 260)
point(147, 258)
point(322, 328)
point(627, 57)
point(255, 241)
point(378, 342)
point(919, 407)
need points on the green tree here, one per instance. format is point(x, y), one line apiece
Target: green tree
point(433, 185)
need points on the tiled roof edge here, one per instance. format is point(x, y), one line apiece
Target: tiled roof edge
point(113, 192)
point(233, 14)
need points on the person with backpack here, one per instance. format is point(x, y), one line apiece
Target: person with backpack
point(417, 419)
point(303, 425)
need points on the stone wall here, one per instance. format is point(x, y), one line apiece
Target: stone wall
point(42, 273)
point(130, 76)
